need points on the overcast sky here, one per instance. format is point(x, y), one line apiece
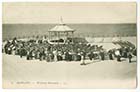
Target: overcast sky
point(71, 12)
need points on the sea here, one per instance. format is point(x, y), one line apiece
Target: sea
point(10, 31)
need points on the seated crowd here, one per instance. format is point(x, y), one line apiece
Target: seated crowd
point(42, 50)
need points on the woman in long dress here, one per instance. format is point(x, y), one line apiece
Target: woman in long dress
point(55, 55)
point(83, 54)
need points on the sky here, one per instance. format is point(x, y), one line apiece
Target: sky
point(43, 12)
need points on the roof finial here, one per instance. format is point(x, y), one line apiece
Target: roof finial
point(61, 20)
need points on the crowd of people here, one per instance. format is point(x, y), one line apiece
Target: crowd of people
point(43, 50)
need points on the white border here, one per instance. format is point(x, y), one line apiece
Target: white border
point(69, 1)
point(74, 90)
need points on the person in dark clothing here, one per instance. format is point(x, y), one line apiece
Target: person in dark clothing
point(59, 57)
point(78, 57)
point(30, 55)
point(70, 57)
point(27, 57)
point(110, 52)
point(67, 56)
point(91, 55)
point(134, 51)
point(129, 57)
point(22, 52)
point(125, 54)
point(102, 55)
point(119, 58)
point(41, 55)
point(121, 51)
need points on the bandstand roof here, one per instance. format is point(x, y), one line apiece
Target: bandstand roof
point(61, 28)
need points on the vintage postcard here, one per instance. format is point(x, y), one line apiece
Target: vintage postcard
point(69, 45)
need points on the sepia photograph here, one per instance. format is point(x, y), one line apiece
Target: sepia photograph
point(69, 45)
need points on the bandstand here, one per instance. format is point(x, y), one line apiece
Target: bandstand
point(60, 33)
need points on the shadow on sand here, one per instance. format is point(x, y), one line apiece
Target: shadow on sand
point(95, 61)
